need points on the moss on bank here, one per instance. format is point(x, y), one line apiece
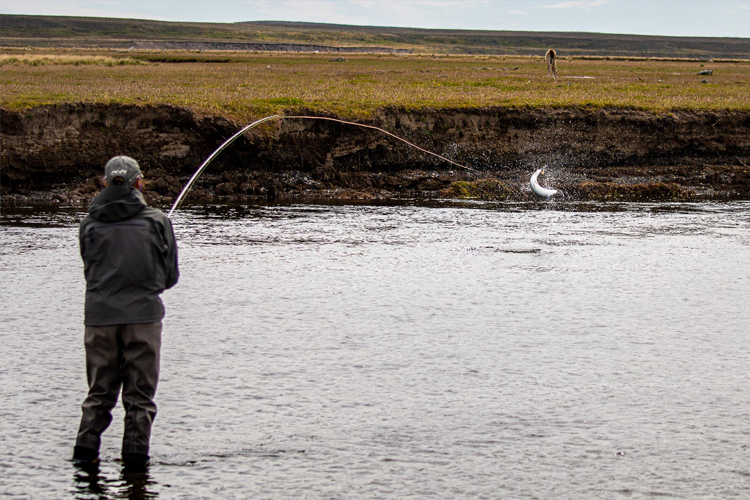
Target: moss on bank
point(609, 191)
point(483, 189)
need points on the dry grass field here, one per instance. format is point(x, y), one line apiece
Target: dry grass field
point(245, 86)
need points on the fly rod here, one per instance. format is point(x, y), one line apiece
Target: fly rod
point(229, 141)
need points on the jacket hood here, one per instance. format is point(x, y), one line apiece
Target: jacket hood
point(116, 203)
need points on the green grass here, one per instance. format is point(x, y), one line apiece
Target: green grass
point(247, 86)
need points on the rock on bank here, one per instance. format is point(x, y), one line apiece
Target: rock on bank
point(58, 152)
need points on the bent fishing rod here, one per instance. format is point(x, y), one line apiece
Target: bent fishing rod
point(229, 141)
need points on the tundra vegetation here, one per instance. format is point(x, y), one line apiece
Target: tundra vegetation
point(245, 86)
point(62, 31)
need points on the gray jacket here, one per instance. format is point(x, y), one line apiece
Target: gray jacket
point(130, 257)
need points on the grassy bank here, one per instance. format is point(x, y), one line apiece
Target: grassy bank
point(244, 86)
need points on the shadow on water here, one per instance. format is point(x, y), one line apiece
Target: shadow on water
point(91, 483)
point(55, 216)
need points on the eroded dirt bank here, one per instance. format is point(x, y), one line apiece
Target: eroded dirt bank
point(57, 153)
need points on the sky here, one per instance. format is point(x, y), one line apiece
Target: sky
point(715, 18)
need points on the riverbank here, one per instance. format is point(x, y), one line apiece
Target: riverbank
point(56, 153)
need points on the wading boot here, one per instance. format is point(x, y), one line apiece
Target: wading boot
point(83, 457)
point(135, 462)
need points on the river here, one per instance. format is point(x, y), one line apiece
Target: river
point(408, 350)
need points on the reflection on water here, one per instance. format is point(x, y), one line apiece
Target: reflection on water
point(409, 350)
point(91, 483)
point(88, 483)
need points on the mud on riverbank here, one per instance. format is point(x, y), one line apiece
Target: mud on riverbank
point(57, 153)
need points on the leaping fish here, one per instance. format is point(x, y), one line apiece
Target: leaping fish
point(538, 190)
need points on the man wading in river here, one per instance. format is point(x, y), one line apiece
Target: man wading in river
point(130, 258)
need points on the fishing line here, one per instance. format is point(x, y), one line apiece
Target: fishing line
point(229, 141)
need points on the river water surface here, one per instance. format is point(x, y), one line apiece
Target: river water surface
point(403, 351)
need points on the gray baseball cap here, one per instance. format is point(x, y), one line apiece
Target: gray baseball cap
point(123, 167)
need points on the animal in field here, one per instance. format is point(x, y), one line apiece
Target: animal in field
point(551, 58)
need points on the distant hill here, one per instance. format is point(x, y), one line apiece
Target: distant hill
point(87, 32)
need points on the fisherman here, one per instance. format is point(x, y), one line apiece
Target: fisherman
point(130, 257)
